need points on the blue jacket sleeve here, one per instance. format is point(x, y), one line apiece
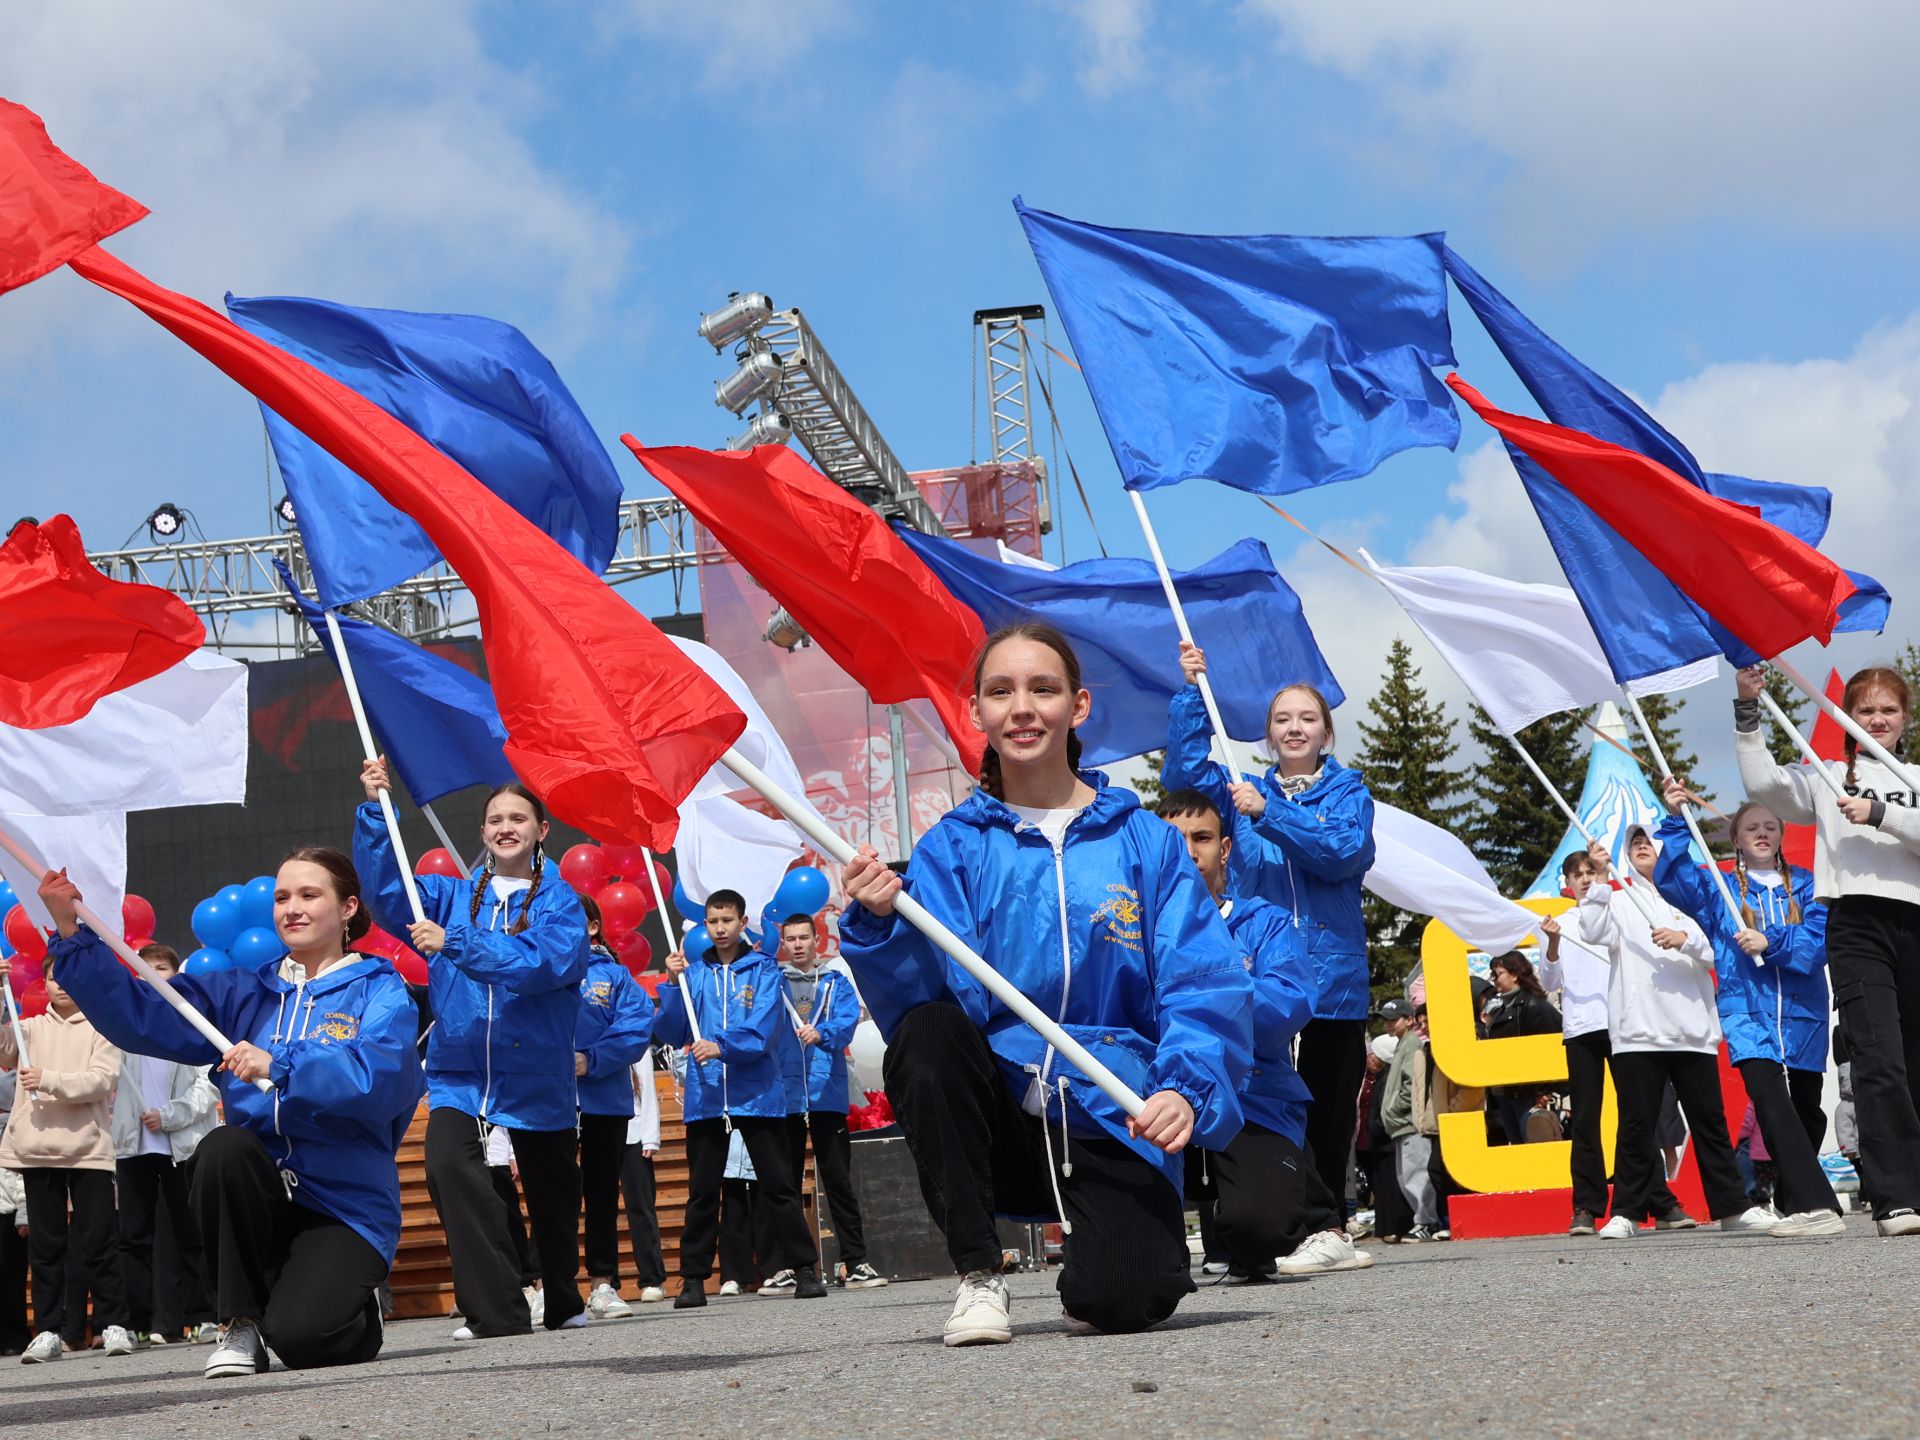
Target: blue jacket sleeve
point(1190, 764)
point(131, 1014)
point(751, 1033)
point(670, 1024)
point(1282, 980)
point(1333, 840)
point(550, 954)
point(1800, 948)
point(627, 1034)
point(380, 882)
point(841, 1017)
point(899, 968)
point(1685, 886)
point(332, 1089)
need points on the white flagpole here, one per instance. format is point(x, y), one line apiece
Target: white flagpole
point(933, 733)
point(1635, 892)
point(207, 1029)
point(1846, 722)
point(666, 925)
point(366, 743)
point(13, 1019)
point(1805, 745)
point(916, 915)
point(446, 840)
point(1186, 634)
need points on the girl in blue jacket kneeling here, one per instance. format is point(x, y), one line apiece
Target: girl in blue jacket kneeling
point(1091, 907)
point(1772, 996)
point(297, 1194)
point(507, 951)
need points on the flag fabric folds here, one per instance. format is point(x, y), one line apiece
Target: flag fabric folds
point(1243, 614)
point(69, 635)
point(438, 724)
point(1271, 363)
point(51, 207)
point(831, 561)
point(1769, 589)
point(1420, 868)
point(474, 388)
point(1525, 651)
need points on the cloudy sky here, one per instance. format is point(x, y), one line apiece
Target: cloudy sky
point(1717, 205)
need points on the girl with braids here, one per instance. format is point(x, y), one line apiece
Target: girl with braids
point(1772, 996)
point(1867, 871)
point(1092, 908)
point(507, 951)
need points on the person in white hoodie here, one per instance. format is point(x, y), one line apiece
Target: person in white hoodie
point(636, 1182)
point(1663, 1026)
point(1867, 870)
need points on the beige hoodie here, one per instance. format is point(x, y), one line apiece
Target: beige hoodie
point(68, 1124)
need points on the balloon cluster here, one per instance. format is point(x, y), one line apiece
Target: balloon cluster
point(234, 926)
point(615, 876)
point(802, 891)
point(24, 945)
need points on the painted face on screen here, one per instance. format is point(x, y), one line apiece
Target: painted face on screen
point(1026, 704)
point(512, 827)
point(1299, 729)
point(308, 913)
point(1756, 834)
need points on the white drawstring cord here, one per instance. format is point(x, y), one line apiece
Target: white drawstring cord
point(1046, 1141)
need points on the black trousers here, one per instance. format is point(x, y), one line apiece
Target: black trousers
point(1778, 1096)
point(833, 1173)
point(1262, 1183)
point(790, 1243)
point(1392, 1211)
point(145, 1183)
point(603, 1150)
point(14, 1334)
point(307, 1278)
point(1873, 957)
point(1641, 1077)
point(509, 1193)
point(745, 1245)
point(82, 1246)
point(1587, 1060)
point(1332, 1060)
point(979, 1155)
point(643, 1222)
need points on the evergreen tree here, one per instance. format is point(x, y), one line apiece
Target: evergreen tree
point(1788, 697)
point(1908, 664)
point(1149, 787)
point(1516, 827)
point(1663, 718)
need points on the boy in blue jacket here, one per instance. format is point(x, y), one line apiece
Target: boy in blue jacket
point(733, 1082)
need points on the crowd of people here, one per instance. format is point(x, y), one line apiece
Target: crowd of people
point(1212, 956)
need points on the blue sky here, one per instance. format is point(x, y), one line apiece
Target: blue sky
point(1719, 209)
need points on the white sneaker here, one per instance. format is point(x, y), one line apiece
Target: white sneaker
point(465, 1332)
point(729, 1287)
point(45, 1347)
point(1900, 1222)
point(1325, 1251)
point(1618, 1228)
point(652, 1294)
point(982, 1312)
point(536, 1305)
point(1755, 1219)
point(605, 1304)
point(205, 1333)
point(1215, 1267)
point(577, 1320)
point(117, 1340)
point(1080, 1327)
point(1808, 1222)
point(241, 1351)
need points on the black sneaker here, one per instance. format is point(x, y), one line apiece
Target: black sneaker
point(863, 1277)
point(1418, 1234)
point(1582, 1223)
point(1676, 1219)
point(807, 1284)
point(692, 1296)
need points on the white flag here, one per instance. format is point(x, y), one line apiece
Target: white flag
point(92, 849)
point(1525, 651)
point(1420, 868)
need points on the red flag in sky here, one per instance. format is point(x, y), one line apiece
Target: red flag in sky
point(854, 586)
point(1829, 743)
point(1769, 588)
point(69, 635)
point(50, 207)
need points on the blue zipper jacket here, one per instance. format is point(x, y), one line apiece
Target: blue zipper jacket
point(1307, 856)
point(738, 1007)
point(1113, 933)
point(1773, 1011)
point(613, 1031)
point(827, 1001)
point(1275, 1096)
point(346, 1067)
point(504, 1006)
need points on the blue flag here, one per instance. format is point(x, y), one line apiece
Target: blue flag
point(1243, 614)
point(474, 388)
point(1644, 623)
point(1270, 363)
point(437, 723)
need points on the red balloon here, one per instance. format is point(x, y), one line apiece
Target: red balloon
point(626, 862)
point(24, 973)
point(411, 964)
point(137, 921)
point(25, 936)
point(437, 862)
point(586, 869)
point(622, 906)
point(32, 1000)
point(634, 950)
point(660, 874)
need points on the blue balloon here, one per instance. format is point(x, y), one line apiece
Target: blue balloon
point(7, 898)
point(205, 960)
point(698, 944)
point(215, 922)
point(234, 895)
point(802, 892)
point(257, 908)
point(684, 904)
point(254, 948)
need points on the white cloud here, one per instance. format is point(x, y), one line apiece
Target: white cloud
point(740, 40)
point(1114, 31)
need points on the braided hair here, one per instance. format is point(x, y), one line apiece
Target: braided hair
point(1748, 916)
point(483, 883)
point(1874, 677)
point(1041, 633)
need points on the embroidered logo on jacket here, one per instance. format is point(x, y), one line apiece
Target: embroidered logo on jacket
point(337, 1025)
point(1120, 914)
point(600, 993)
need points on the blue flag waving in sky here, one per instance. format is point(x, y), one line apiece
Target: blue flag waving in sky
point(1115, 613)
point(437, 723)
point(474, 388)
point(1271, 363)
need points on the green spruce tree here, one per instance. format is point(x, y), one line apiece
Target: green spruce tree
point(1150, 787)
point(1788, 697)
point(1515, 826)
point(1663, 718)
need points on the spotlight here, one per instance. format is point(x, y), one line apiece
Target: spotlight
point(757, 374)
point(783, 630)
point(166, 521)
point(743, 314)
point(768, 428)
point(285, 511)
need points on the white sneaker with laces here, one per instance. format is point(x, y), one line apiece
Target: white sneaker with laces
point(729, 1287)
point(45, 1347)
point(241, 1351)
point(1618, 1228)
point(1900, 1222)
point(605, 1304)
point(206, 1333)
point(982, 1312)
point(1808, 1222)
point(117, 1340)
point(1755, 1219)
point(652, 1294)
point(1323, 1252)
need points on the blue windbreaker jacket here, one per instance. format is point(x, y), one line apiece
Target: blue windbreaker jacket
point(346, 1067)
point(613, 1031)
point(504, 1006)
point(738, 1007)
point(833, 1008)
point(1276, 1096)
point(1307, 856)
point(1113, 934)
point(1773, 1011)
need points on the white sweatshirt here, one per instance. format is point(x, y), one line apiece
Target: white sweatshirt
point(1656, 999)
point(644, 1128)
point(1582, 976)
point(1849, 859)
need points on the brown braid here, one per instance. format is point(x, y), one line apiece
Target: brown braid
point(526, 905)
point(481, 885)
point(1747, 917)
point(1786, 879)
point(1042, 633)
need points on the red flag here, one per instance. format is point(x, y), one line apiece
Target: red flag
point(69, 635)
point(1829, 743)
point(51, 208)
point(854, 586)
point(1769, 588)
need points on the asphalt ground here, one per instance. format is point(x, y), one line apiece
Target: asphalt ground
point(1692, 1333)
